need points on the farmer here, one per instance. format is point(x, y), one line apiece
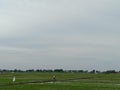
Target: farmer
point(54, 78)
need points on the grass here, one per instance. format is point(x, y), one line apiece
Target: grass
point(65, 81)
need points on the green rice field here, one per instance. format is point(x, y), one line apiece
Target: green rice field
point(64, 81)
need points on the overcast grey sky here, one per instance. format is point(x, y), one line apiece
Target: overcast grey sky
point(68, 34)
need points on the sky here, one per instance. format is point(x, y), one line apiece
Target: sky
point(67, 34)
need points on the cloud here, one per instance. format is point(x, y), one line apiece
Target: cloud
point(48, 32)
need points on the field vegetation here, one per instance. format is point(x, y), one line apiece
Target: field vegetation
point(64, 81)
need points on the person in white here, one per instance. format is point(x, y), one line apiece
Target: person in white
point(14, 79)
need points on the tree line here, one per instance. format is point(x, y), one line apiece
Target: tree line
point(59, 70)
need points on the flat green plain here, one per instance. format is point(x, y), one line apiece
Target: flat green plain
point(64, 81)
